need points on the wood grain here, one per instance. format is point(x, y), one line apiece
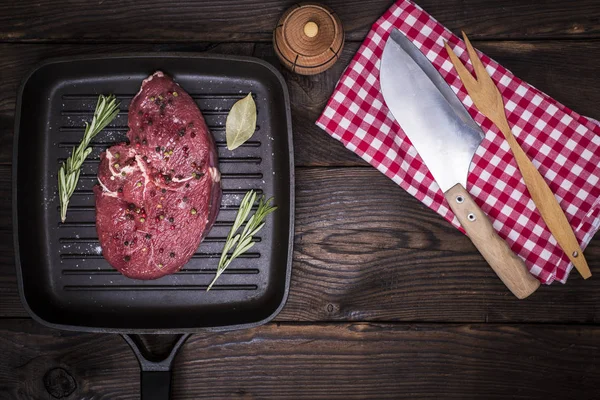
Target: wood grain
point(549, 66)
point(308, 94)
point(253, 20)
point(488, 100)
point(308, 38)
point(506, 264)
point(365, 250)
point(333, 361)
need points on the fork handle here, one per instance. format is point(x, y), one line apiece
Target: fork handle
point(506, 264)
point(546, 203)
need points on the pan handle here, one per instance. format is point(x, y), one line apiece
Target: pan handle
point(155, 374)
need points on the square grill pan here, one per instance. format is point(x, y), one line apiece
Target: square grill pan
point(65, 282)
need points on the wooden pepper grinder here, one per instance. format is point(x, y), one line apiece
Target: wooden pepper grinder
point(308, 38)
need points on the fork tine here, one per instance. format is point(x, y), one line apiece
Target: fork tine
point(465, 76)
point(480, 71)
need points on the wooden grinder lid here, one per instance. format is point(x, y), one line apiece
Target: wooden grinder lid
point(308, 38)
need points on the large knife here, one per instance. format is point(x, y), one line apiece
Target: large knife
point(446, 138)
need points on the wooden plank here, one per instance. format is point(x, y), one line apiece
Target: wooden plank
point(333, 361)
point(547, 65)
point(365, 250)
point(155, 21)
point(308, 95)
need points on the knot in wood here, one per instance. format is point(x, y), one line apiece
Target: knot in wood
point(59, 383)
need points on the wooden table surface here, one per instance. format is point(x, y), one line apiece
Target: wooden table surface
point(387, 300)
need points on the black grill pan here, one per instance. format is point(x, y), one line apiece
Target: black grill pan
point(65, 282)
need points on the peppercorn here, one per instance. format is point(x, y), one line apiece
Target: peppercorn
point(120, 190)
point(157, 149)
point(142, 219)
point(131, 206)
point(148, 236)
point(117, 155)
point(187, 185)
point(171, 254)
point(185, 199)
point(116, 165)
point(182, 132)
point(163, 190)
point(171, 219)
point(193, 211)
point(126, 243)
point(150, 122)
point(144, 142)
point(160, 265)
point(127, 258)
point(175, 94)
point(152, 98)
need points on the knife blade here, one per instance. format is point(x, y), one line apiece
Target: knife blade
point(446, 138)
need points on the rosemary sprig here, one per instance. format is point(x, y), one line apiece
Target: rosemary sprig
point(107, 109)
point(240, 243)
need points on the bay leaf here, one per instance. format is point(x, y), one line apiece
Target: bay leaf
point(241, 122)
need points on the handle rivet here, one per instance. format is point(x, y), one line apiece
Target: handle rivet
point(460, 199)
point(575, 254)
point(471, 217)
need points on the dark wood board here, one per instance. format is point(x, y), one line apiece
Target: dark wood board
point(326, 361)
point(253, 20)
point(387, 300)
point(379, 254)
point(566, 70)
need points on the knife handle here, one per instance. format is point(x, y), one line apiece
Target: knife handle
point(506, 264)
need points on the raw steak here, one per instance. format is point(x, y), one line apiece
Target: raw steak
point(158, 196)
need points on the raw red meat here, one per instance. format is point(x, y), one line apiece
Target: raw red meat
point(158, 196)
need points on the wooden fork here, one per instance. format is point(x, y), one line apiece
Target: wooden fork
point(488, 100)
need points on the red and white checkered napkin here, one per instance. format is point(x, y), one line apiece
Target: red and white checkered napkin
point(563, 145)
